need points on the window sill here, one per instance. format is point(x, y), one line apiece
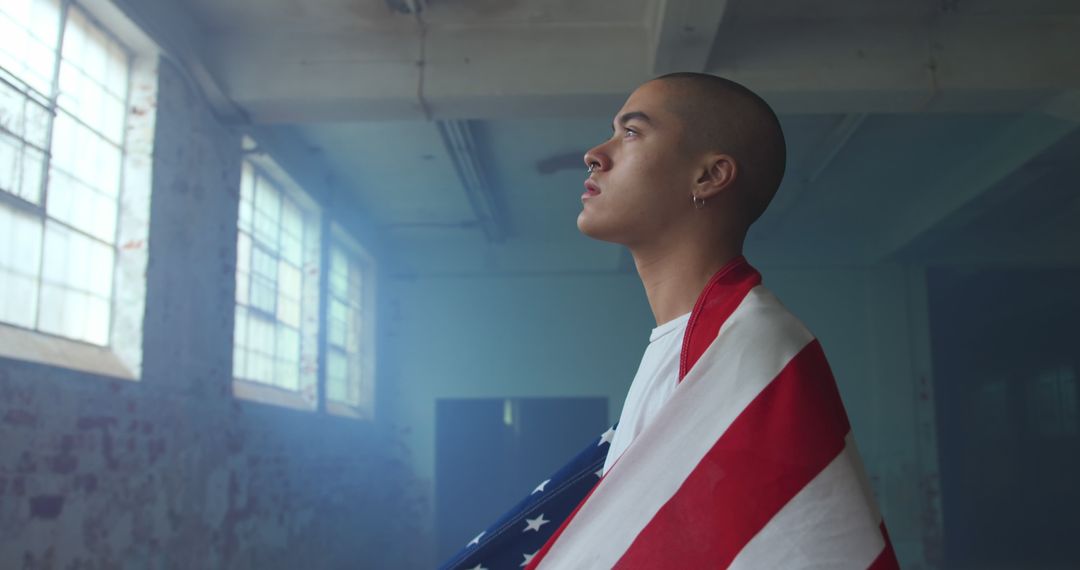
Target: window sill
point(30, 346)
point(266, 394)
point(347, 410)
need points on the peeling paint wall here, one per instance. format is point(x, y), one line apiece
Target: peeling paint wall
point(172, 471)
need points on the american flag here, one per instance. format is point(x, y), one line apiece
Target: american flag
point(750, 464)
point(519, 534)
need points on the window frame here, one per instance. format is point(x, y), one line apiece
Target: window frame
point(355, 252)
point(307, 395)
point(50, 103)
point(330, 234)
point(120, 355)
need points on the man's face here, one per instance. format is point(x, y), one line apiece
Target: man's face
point(641, 183)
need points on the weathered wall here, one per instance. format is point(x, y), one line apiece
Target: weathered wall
point(172, 471)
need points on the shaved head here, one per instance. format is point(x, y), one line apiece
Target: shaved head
point(722, 116)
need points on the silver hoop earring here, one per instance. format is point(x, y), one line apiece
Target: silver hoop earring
point(699, 203)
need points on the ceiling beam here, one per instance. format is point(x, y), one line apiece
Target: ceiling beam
point(460, 143)
point(683, 34)
point(562, 70)
point(1017, 144)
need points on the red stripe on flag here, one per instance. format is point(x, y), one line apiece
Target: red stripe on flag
point(887, 559)
point(777, 445)
point(722, 295)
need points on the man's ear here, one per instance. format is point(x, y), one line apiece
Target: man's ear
point(717, 176)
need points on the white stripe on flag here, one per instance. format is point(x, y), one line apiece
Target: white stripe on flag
point(753, 346)
point(825, 525)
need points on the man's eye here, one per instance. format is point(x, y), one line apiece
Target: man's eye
point(631, 132)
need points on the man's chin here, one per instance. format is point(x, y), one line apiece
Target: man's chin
point(594, 230)
point(586, 226)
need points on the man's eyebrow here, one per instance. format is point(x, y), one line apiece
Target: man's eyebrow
point(630, 116)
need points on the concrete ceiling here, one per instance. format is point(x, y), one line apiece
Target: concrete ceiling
point(458, 125)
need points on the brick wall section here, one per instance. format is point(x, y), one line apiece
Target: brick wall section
point(172, 471)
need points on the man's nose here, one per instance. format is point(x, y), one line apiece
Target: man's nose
point(596, 159)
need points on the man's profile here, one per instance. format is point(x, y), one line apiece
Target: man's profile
point(733, 448)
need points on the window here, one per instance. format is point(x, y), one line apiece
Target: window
point(279, 355)
point(277, 291)
point(64, 94)
point(350, 328)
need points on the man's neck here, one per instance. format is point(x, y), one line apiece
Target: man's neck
point(674, 277)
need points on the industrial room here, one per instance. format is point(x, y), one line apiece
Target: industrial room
point(298, 284)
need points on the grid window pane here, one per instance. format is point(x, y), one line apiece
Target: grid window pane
point(262, 335)
point(74, 314)
point(24, 123)
point(10, 163)
point(28, 39)
point(288, 346)
point(20, 169)
point(267, 213)
point(59, 258)
point(29, 188)
point(81, 206)
point(262, 294)
point(76, 285)
point(337, 372)
point(97, 107)
point(353, 331)
point(264, 264)
point(270, 280)
point(291, 249)
point(289, 312)
point(345, 325)
point(20, 258)
point(288, 280)
point(75, 261)
point(22, 115)
point(287, 375)
point(35, 125)
point(339, 273)
point(85, 155)
point(20, 296)
point(336, 320)
point(20, 241)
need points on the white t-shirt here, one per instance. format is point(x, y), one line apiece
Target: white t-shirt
point(653, 385)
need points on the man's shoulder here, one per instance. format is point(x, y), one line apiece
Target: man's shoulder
point(763, 316)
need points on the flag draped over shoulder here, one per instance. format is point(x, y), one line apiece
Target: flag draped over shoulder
point(750, 464)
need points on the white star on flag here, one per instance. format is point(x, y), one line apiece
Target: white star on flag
point(535, 524)
point(528, 557)
point(606, 436)
point(599, 473)
point(478, 567)
point(540, 488)
point(476, 540)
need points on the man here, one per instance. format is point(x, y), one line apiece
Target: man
point(733, 448)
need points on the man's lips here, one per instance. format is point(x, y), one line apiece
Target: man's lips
point(591, 189)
